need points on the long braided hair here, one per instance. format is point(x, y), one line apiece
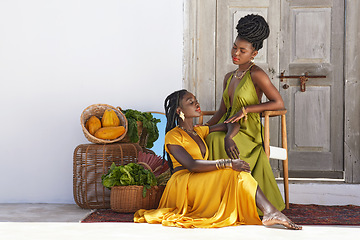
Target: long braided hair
point(171, 104)
point(254, 29)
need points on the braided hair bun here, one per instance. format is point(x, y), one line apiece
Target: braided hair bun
point(254, 29)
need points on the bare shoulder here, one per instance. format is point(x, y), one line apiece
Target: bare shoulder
point(227, 76)
point(258, 75)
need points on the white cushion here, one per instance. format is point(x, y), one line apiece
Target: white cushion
point(278, 153)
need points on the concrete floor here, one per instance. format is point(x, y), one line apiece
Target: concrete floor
point(61, 221)
point(43, 212)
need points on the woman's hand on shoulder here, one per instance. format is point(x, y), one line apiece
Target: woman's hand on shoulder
point(240, 165)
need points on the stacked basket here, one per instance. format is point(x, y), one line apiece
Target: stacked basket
point(91, 161)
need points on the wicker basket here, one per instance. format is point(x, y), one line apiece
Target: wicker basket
point(129, 199)
point(98, 111)
point(91, 161)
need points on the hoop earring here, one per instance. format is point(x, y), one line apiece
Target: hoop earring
point(182, 115)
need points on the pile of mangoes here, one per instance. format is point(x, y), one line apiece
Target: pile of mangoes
point(108, 128)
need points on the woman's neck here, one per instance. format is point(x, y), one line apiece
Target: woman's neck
point(245, 66)
point(187, 124)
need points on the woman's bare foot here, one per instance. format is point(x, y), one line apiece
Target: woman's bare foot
point(272, 216)
point(279, 218)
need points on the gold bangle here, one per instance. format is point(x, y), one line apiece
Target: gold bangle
point(221, 164)
point(206, 124)
point(216, 164)
point(244, 112)
point(228, 163)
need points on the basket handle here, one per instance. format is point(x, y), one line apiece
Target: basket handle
point(146, 165)
point(159, 167)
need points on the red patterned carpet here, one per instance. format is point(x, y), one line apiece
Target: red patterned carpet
point(300, 214)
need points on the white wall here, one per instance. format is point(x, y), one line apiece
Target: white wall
point(59, 56)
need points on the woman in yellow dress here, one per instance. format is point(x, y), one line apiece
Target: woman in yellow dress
point(202, 193)
point(242, 93)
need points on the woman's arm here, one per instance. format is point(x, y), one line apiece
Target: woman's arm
point(222, 109)
point(262, 84)
point(218, 114)
point(232, 129)
point(231, 148)
point(186, 160)
point(196, 165)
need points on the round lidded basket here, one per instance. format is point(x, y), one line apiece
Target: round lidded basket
point(98, 111)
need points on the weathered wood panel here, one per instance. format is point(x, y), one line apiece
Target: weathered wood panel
point(312, 37)
point(313, 106)
point(352, 90)
point(199, 53)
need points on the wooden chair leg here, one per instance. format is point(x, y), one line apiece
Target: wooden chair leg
point(285, 162)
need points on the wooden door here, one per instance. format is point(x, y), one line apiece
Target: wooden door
point(312, 42)
point(306, 36)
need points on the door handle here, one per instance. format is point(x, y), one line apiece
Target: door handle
point(303, 79)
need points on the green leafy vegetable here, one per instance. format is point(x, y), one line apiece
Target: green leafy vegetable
point(130, 174)
point(149, 124)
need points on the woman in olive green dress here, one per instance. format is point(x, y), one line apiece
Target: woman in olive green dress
point(241, 102)
point(203, 193)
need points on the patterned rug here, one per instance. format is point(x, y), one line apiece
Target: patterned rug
point(300, 214)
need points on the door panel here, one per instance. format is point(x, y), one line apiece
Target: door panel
point(311, 34)
point(312, 37)
point(312, 136)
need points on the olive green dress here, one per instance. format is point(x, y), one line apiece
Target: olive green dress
point(248, 140)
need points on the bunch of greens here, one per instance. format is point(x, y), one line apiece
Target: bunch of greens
point(149, 124)
point(130, 174)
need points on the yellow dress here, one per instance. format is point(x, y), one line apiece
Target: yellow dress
point(203, 200)
point(248, 140)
